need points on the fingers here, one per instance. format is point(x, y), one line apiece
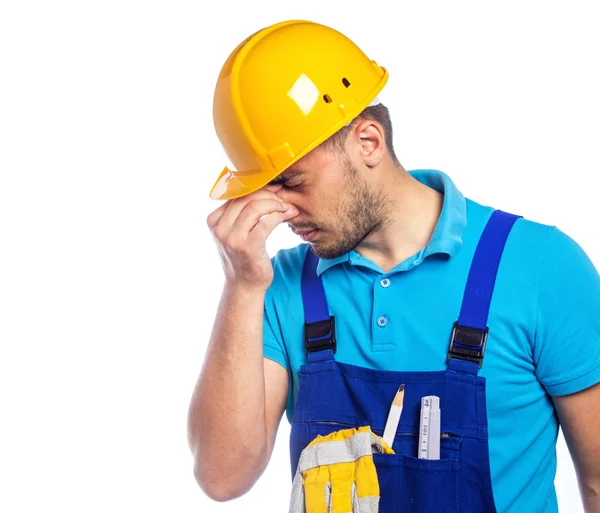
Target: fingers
point(216, 215)
point(235, 206)
point(254, 211)
point(342, 480)
point(316, 490)
point(257, 214)
point(267, 224)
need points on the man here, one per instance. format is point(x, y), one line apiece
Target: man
point(400, 280)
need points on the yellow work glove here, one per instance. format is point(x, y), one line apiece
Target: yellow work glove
point(336, 473)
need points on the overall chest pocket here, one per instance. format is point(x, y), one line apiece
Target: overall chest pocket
point(409, 484)
point(427, 485)
point(412, 485)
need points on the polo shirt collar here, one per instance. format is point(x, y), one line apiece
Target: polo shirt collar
point(447, 235)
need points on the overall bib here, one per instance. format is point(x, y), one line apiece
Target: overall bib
point(336, 396)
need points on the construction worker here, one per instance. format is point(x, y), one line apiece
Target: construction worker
point(399, 279)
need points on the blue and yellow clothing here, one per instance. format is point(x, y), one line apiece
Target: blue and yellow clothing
point(544, 329)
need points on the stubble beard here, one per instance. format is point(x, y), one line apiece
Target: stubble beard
point(362, 212)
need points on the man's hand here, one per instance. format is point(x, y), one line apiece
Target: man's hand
point(240, 228)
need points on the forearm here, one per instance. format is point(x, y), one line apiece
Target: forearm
point(226, 423)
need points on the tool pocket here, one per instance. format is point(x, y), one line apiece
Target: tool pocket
point(427, 485)
point(412, 485)
point(387, 475)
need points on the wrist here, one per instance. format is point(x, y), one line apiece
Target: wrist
point(246, 291)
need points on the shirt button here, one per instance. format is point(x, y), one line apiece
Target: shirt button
point(385, 283)
point(382, 321)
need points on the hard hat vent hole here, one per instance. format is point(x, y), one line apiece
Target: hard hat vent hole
point(326, 98)
point(345, 82)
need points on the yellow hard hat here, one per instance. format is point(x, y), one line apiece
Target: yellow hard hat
point(282, 92)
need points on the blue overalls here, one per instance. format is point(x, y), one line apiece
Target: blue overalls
point(336, 396)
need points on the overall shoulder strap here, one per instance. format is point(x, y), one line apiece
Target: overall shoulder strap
point(319, 326)
point(469, 334)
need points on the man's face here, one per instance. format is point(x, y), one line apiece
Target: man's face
point(337, 207)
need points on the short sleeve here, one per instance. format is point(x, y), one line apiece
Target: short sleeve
point(273, 347)
point(567, 340)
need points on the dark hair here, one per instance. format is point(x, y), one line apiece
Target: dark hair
point(379, 113)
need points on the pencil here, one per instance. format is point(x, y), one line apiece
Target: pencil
point(391, 425)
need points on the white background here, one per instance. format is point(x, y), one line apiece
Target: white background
point(109, 278)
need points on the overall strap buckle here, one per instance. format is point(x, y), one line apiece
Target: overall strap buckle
point(319, 335)
point(468, 344)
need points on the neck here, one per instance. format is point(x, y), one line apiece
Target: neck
point(413, 211)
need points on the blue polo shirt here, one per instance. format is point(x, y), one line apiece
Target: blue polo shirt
point(544, 329)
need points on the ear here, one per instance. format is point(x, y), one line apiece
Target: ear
point(370, 142)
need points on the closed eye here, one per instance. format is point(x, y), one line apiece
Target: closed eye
point(287, 181)
point(293, 182)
